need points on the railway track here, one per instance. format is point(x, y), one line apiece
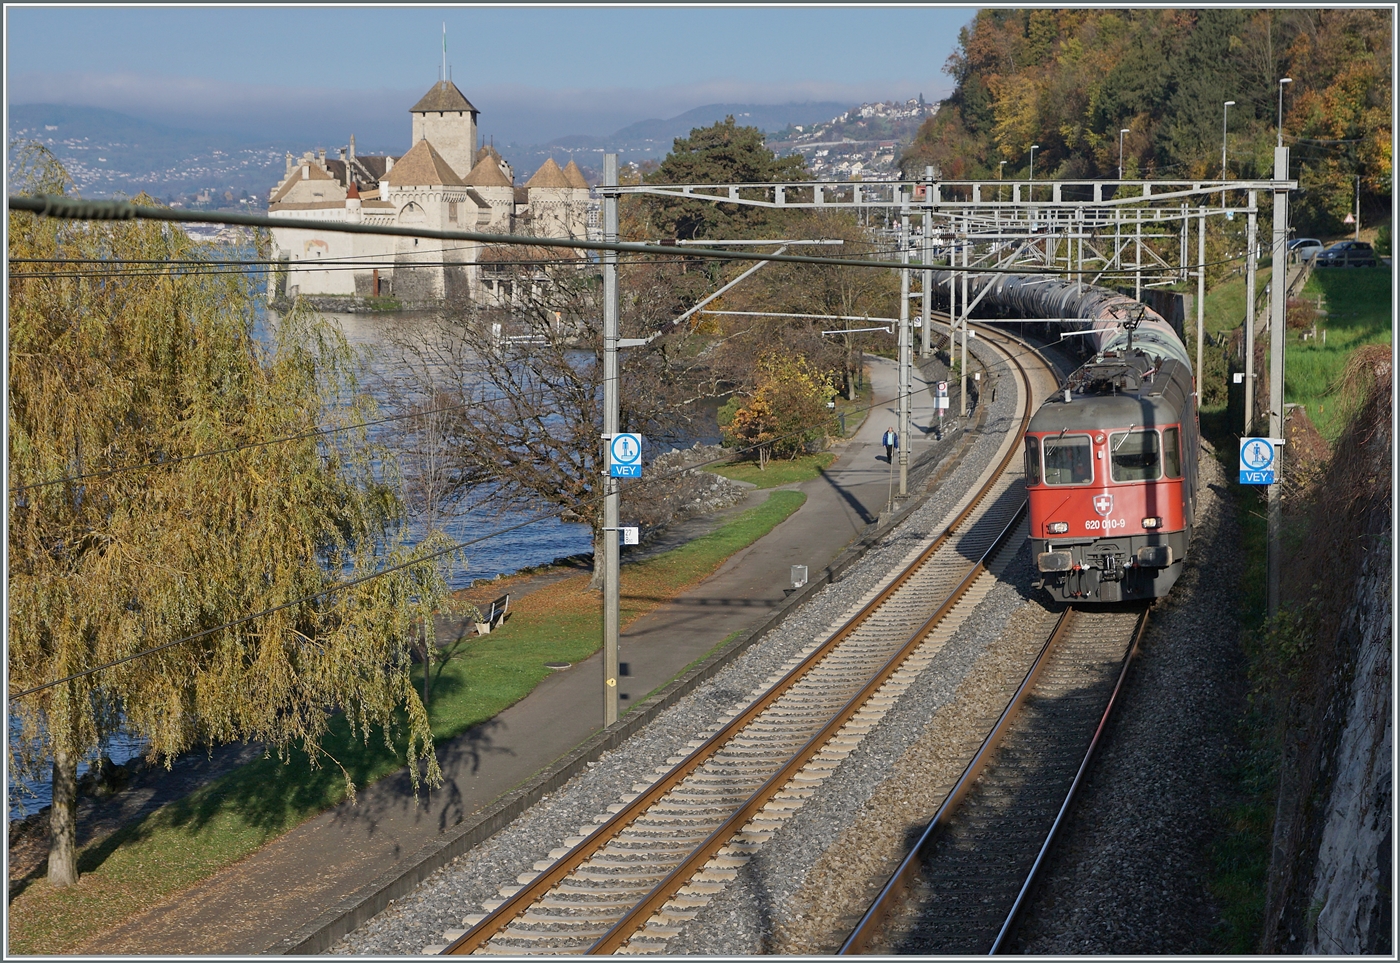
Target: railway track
point(634, 879)
point(959, 889)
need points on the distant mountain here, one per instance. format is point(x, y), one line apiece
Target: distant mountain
point(110, 153)
point(107, 152)
point(653, 139)
point(763, 116)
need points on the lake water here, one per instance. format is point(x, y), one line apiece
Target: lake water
point(535, 544)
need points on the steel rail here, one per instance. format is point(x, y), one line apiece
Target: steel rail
point(513, 906)
point(871, 923)
point(637, 917)
point(1074, 787)
point(869, 926)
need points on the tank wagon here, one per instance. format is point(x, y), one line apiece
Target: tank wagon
point(1110, 459)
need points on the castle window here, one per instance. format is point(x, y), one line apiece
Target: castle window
point(452, 211)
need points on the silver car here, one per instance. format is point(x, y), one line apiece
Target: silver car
point(1304, 248)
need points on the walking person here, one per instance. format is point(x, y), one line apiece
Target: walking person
point(891, 443)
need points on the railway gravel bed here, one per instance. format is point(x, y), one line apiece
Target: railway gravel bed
point(1129, 873)
point(460, 889)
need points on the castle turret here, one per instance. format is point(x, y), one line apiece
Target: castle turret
point(492, 184)
point(448, 119)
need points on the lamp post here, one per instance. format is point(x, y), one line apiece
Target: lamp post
point(1282, 81)
point(1224, 134)
point(1001, 169)
point(1120, 151)
point(1034, 148)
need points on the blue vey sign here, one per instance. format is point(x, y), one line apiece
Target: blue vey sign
point(625, 456)
point(1257, 461)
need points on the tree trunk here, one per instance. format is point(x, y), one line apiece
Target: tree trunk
point(596, 582)
point(63, 821)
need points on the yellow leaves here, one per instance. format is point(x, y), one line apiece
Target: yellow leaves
point(787, 408)
point(1017, 111)
point(156, 368)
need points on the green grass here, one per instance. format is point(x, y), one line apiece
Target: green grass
point(188, 840)
point(1359, 312)
point(1239, 855)
point(780, 471)
point(1225, 304)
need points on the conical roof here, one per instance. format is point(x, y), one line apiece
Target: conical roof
point(575, 176)
point(423, 166)
point(549, 175)
point(444, 96)
point(488, 173)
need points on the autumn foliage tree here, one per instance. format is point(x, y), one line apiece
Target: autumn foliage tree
point(156, 502)
point(1068, 80)
point(785, 413)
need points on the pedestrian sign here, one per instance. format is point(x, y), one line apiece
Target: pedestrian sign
point(625, 456)
point(1257, 461)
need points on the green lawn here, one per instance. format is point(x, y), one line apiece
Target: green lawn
point(1225, 305)
point(1359, 312)
point(780, 471)
point(191, 839)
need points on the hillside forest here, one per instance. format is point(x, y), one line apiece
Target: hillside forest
point(1070, 80)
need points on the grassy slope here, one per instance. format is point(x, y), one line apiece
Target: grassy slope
point(189, 840)
point(1360, 312)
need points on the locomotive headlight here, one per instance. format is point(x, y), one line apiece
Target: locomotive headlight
point(1057, 528)
point(1153, 522)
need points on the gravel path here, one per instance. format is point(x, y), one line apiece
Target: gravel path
point(445, 898)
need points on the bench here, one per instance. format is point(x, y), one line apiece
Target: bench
point(494, 616)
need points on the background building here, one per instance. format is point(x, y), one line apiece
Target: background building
point(444, 182)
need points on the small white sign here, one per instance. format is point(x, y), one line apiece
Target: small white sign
point(629, 535)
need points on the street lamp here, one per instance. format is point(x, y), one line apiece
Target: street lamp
point(1001, 168)
point(1225, 133)
point(1285, 80)
point(1120, 152)
point(1034, 148)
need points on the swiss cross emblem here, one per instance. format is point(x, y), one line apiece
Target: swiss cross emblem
point(1103, 504)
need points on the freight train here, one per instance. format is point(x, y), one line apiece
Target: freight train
point(1110, 459)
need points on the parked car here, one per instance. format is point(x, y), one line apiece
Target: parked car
point(1305, 248)
point(1347, 254)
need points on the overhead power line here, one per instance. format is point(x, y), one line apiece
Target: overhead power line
point(50, 205)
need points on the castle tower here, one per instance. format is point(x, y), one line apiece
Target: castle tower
point(448, 120)
point(491, 183)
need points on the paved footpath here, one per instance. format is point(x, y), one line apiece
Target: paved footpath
point(270, 900)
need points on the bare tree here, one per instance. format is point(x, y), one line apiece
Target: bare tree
point(526, 377)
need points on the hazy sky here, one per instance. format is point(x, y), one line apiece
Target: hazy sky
point(533, 72)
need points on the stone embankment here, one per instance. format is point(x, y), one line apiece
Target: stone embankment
point(1329, 888)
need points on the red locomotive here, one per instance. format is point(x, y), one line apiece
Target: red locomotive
point(1111, 469)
